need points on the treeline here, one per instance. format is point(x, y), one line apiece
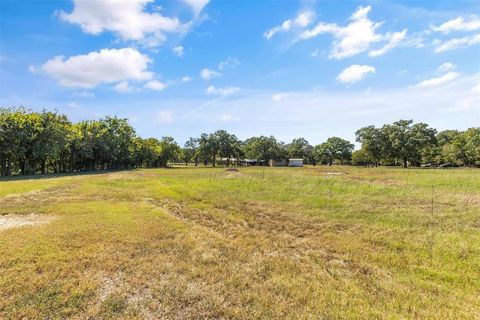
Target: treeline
point(44, 142)
point(407, 143)
point(47, 142)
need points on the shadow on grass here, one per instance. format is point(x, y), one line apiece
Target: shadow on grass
point(58, 175)
point(81, 173)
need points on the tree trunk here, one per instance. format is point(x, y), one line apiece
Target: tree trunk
point(43, 166)
point(404, 162)
point(23, 167)
point(71, 164)
point(9, 167)
point(214, 160)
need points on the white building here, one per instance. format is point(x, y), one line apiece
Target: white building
point(295, 162)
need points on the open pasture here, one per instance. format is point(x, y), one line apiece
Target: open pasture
point(257, 243)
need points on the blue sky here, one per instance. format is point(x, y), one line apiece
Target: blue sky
point(289, 68)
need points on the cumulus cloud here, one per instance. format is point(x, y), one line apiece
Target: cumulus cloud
point(186, 79)
point(155, 85)
point(178, 51)
point(196, 5)
point(226, 91)
point(104, 66)
point(302, 20)
point(127, 19)
point(209, 74)
point(456, 43)
point(229, 63)
point(394, 40)
point(438, 81)
point(447, 66)
point(459, 24)
point(356, 37)
point(164, 117)
point(355, 73)
point(123, 87)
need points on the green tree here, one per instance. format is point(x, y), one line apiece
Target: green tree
point(300, 148)
point(190, 151)
point(169, 151)
point(362, 158)
point(468, 144)
point(263, 148)
point(334, 148)
point(373, 143)
point(51, 139)
point(407, 142)
point(228, 145)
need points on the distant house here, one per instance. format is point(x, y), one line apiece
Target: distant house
point(251, 162)
point(295, 162)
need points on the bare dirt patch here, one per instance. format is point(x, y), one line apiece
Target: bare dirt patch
point(14, 221)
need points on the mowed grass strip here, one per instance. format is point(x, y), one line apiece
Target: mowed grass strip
point(298, 243)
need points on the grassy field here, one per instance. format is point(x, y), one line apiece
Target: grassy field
point(260, 243)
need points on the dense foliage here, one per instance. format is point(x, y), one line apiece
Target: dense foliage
point(404, 142)
point(32, 142)
point(43, 142)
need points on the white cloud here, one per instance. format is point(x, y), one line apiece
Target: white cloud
point(456, 43)
point(319, 29)
point(105, 66)
point(438, 81)
point(302, 20)
point(84, 94)
point(394, 40)
point(155, 85)
point(459, 24)
point(447, 66)
point(355, 73)
point(123, 87)
point(356, 37)
point(209, 74)
point(196, 5)
point(228, 118)
point(178, 51)
point(226, 91)
point(127, 19)
point(476, 88)
point(186, 79)
point(230, 63)
point(277, 97)
point(164, 117)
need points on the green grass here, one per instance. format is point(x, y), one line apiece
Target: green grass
point(294, 243)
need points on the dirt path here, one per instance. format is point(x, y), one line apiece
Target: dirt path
point(14, 220)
